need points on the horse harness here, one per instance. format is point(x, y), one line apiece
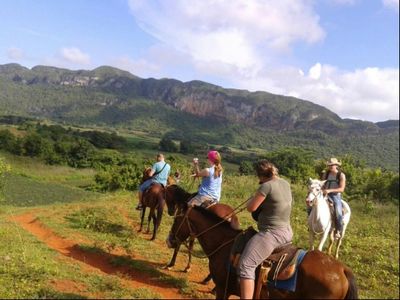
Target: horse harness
point(193, 235)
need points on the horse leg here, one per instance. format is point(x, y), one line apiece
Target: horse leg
point(339, 242)
point(332, 241)
point(323, 239)
point(311, 239)
point(142, 218)
point(189, 264)
point(173, 259)
point(157, 219)
point(151, 213)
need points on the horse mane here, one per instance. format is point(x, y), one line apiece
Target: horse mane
point(214, 218)
point(181, 194)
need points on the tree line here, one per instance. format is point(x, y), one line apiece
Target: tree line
point(117, 169)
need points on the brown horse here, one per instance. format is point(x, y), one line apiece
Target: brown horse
point(154, 199)
point(177, 199)
point(319, 276)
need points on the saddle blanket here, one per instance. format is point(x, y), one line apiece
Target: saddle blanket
point(289, 284)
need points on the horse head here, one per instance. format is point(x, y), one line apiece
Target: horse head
point(176, 198)
point(314, 191)
point(146, 174)
point(180, 229)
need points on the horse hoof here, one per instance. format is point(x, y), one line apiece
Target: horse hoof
point(187, 270)
point(167, 267)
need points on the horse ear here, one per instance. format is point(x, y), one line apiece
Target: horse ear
point(322, 182)
point(309, 180)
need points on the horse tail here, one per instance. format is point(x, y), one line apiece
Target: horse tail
point(160, 208)
point(352, 292)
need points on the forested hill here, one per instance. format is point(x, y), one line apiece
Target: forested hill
point(192, 110)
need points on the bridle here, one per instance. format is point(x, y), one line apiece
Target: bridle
point(316, 195)
point(193, 235)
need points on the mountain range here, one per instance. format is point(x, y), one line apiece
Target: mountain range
point(193, 110)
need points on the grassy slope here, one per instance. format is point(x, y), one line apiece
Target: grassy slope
point(28, 266)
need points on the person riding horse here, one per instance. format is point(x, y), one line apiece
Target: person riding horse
point(210, 189)
point(273, 201)
point(158, 174)
point(334, 186)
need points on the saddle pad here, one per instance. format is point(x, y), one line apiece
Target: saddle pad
point(289, 284)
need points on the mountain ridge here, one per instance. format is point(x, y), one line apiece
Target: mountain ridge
point(109, 96)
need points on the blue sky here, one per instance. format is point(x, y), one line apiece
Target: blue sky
point(342, 54)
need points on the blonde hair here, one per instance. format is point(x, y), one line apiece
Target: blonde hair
point(217, 166)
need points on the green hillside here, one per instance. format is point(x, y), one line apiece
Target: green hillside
point(196, 111)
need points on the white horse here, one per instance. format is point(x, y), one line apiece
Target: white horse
point(320, 220)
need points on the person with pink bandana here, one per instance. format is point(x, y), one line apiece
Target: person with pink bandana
point(211, 183)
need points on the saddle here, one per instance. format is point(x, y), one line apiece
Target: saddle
point(281, 263)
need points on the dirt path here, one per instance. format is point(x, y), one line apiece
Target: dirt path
point(99, 261)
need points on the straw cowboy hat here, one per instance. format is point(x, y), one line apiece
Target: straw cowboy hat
point(333, 161)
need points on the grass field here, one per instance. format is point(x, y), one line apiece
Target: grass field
point(105, 226)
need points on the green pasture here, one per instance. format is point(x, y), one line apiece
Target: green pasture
point(108, 223)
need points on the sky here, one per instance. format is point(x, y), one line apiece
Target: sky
point(341, 54)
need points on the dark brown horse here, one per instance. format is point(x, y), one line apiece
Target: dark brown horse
point(320, 276)
point(154, 199)
point(177, 199)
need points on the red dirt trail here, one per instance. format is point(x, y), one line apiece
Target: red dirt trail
point(99, 261)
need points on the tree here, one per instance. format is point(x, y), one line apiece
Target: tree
point(294, 163)
point(186, 147)
point(166, 144)
point(246, 167)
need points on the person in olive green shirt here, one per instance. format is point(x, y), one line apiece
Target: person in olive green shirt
point(273, 200)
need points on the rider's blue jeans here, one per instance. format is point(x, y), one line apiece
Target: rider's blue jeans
point(337, 203)
point(145, 185)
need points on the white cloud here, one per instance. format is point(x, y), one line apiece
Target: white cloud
point(140, 67)
point(15, 53)
point(366, 94)
point(75, 56)
point(392, 4)
point(244, 34)
point(243, 43)
point(315, 71)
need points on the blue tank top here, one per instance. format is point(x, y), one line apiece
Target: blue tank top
point(211, 186)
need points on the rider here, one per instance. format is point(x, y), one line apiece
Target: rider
point(159, 174)
point(210, 188)
point(334, 186)
point(273, 199)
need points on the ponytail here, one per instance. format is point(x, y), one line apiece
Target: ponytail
point(217, 166)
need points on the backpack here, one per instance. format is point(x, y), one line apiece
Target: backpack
point(337, 177)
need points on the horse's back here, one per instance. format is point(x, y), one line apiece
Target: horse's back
point(154, 195)
point(322, 276)
point(226, 212)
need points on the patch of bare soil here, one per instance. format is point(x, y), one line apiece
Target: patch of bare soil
point(98, 261)
point(69, 286)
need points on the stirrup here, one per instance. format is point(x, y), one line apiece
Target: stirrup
point(139, 207)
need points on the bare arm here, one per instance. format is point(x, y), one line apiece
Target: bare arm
point(255, 201)
point(198, 172)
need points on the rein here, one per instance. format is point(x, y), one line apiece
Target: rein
point(194, 236)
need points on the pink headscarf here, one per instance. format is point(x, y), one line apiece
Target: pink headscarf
point(213, 156)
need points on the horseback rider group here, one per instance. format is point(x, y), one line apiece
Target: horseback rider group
point(270, 205)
